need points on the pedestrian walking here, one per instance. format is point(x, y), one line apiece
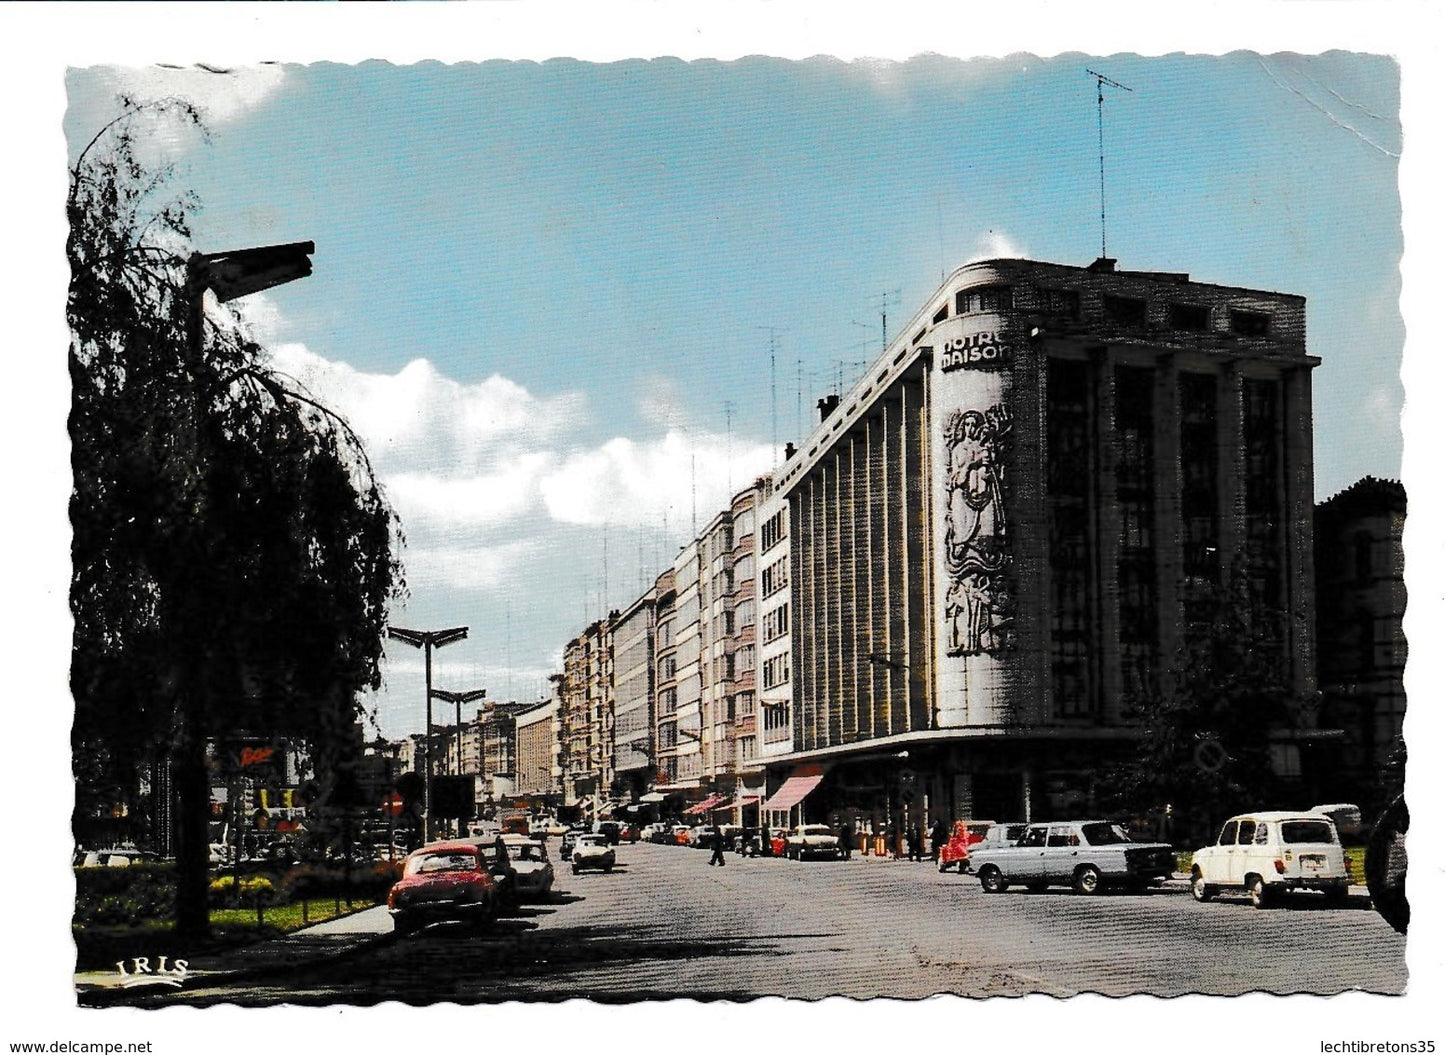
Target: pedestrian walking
point(845, 839)
point(717, 857)
point(915, 843)
point(937, 836)
point(895, 842)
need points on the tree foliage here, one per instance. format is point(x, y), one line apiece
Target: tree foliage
point(1204, 752)
point(233, 554)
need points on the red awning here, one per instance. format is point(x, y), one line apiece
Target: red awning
point(706, 804)
point(796, 788)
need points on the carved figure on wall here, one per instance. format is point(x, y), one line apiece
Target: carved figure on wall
point(977, 604)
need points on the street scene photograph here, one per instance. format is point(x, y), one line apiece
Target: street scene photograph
point(682, 535)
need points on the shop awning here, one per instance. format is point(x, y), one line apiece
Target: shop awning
point(796, 788)
point(652, 796)
point(706, 804)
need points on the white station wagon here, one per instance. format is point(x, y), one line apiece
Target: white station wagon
point(1265, 854)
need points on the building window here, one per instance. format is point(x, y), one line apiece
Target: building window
point(986, 298)
point(1134, 495)
point(775, 671)
point(1126, 311)
point(1061, 303)
point(1189, 317)
point(1069, 437)
point(775, 577)
point(775, 623)
point(940, 314)
point(775, 529)
point(1199, 497)
point(1248, 323)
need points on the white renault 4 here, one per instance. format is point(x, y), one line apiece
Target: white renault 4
point(1266, 854)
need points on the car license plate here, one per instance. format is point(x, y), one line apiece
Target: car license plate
point(1312, 862)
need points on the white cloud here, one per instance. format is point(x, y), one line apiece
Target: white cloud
point(222, 94)
point(634, 484)
point(995, 245)
point(417, 420)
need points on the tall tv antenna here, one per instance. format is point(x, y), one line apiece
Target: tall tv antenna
point(1103, 229)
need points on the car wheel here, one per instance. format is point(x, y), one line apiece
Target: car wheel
point(992, 880)
point(607, 868)
point(403, 925)
point(1087, 880)
point(1259, 894)
point(1201, 890)
point(576, 869)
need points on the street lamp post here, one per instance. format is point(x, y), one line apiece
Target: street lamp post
point(227, 275)
point(460, 698)
point(427, 640)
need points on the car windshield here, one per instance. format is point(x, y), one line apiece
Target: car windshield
point(1100, 833)
point(442, 862)
point(1306, 832)
point(528, 852)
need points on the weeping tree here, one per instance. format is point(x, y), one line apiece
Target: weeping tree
point(233, 555)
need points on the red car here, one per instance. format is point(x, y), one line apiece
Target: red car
point(443, 881)
point(964, 835)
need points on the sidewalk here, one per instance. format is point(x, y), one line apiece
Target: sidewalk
point(333, 938)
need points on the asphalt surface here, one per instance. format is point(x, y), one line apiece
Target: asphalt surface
point(665, 924)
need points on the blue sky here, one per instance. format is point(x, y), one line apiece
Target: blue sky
point(558, 297)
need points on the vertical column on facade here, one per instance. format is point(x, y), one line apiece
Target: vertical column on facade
point(846, 708)
point(1168, 508)
point(1231, 474)
point(1299, 484)
point(803, 625)
point(1106, 541)
point(876, 571)
point(1029, 538)
point(823, 634)
point(899, 579)
point(886, 534)
point(917, 590)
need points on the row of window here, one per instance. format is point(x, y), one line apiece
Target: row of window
point(776, 671)
point(1125, 311)
point(775, 623)
point(775, 577)
point(775, 529)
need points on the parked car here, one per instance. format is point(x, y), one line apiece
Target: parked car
point(1085, 855)
point(531, 868)
point(593, 851)
point(963, 835)
point(812, 840)
point(120, 857)
point(654, 833)
point(569, 840)
point(1005, 833)
point(1266, 854)
point(443, 882)
point(611, 830)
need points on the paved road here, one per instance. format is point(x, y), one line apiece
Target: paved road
point(666, 924)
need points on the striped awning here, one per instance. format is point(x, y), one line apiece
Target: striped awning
point(706, 804)
point(796, 788)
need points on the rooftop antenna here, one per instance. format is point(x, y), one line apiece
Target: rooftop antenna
point(773, 332)
point(728, 405)
point(883, 310)
point(1103, 230)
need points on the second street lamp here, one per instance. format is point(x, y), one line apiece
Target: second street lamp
point(427, 640)
point(460, 698)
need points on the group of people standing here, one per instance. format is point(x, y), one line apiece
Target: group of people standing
point(896, 837)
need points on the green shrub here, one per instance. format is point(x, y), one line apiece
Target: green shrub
point(105, 896)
